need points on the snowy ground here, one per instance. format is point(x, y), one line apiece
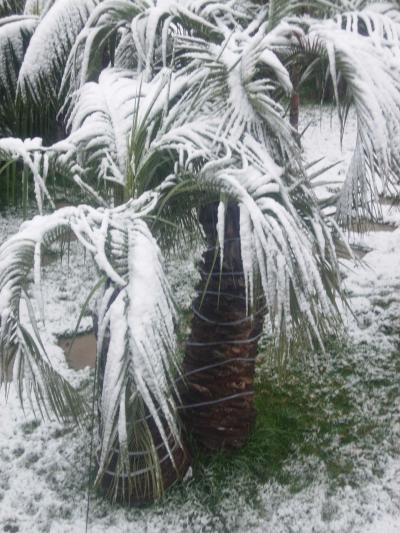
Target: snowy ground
point(342, 472)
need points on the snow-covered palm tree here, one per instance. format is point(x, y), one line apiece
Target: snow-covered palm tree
point(179, 106)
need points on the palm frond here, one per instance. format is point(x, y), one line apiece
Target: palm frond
point(136, 335)
point(114, 121)
point(11, 7)
point(279, 10)
point(101, 121)
point(42, 69)
point(15, 33)
point(20, 345)
point(152, 28)
point(45, 164)
point(369, 66)
point(378, 26)
point(239, 83)
point(34, 159)
point(139, 361)
point(85, 60)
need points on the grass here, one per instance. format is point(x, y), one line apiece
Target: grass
point(305, 418)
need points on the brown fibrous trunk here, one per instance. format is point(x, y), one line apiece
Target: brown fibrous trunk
point(219, 365)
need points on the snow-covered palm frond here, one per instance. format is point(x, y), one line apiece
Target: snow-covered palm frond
point(149, 27)
point(35, 161)
point(85, 60)
point(240, 80)
point(113, 123)
point(370, 67)
point(15, 33)
point(20, 344)
point(284, 239)
point(43, 66)
point(42, 163)
point(139, 367)
point(278, 10)
point(380, 27)
point(161, 20)
point(390, 9)
point(11, 7)
point(294, 257)
point(101, 121)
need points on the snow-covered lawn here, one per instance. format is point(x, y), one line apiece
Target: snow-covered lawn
point(342, 472)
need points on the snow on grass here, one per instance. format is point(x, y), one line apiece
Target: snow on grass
point(325, 455)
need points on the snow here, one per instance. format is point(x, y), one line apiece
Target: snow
point(44, 466)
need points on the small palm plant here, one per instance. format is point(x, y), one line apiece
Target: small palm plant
point(175, 121)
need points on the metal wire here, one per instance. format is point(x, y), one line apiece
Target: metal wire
point(219, 400)
point(218, 343)
point(228, 294)
point(219, 274)
point(142, 470)
point(189, 406)
point(231, 323)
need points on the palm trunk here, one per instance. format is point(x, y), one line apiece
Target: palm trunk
point(220, 355)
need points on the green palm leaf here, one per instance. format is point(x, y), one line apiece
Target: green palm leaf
point(15, 34)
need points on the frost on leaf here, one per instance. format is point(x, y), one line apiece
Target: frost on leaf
point(41, 72)
point(136, 343)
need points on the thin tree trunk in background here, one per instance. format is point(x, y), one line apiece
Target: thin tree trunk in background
point(294, 110)
point(295, 97)
point(220, 355)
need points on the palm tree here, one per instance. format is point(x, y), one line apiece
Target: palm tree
point(177, 108)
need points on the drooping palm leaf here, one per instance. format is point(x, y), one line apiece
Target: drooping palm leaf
point(240, 78)
point(15, 33)
point(140, 365)
point(283, 235)
point(45, 163)
point(43, 66)
point(20, 345)
point(11, 7)
point(101, 122)
point(34, 159)
point(150, 28)
point(369, 65)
